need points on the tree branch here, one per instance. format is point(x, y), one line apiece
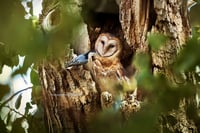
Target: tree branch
point(15, 111)
point(6, 101)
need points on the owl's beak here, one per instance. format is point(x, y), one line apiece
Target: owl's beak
point(104, 50)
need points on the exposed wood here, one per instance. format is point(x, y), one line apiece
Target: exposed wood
point(134, 19)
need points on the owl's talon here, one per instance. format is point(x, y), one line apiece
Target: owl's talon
point(106, 99)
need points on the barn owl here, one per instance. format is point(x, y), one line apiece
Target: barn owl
point(108, 70)
point(106, 62)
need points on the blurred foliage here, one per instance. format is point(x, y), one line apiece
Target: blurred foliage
point(198, 1)
point(25, 37)
point(3, 126)
point(36, 121)
point(156, 41)
point(17, 126)
point(19, 36)
point(193, 14)
point(189, 56)
point(4, 89)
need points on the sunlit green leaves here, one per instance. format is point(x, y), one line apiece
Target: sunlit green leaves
point(156, 41)
point(36, 94)
point(35, 77)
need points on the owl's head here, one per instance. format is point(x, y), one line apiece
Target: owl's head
point(108, 46)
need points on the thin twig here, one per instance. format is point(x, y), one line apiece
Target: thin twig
point(6, 101)
point(24, 78)
point(15, 111)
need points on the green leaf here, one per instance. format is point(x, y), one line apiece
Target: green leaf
point(15, 60)
point(35, 78)
point(21, 70)
point(4, 89)
point(27, 108)
point(156, 41)
point(18, 101)
point(1, 67)
point(36, 94)
point(8, 118)
point(189, 57)
point(3, 126)
point(142, 65)
point(198, 1)
point(7, 56)
point(17, 126)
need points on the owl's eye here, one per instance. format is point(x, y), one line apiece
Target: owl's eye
point(103, 42)
point(111, 46)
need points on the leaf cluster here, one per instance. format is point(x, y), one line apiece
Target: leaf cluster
point(23, 37)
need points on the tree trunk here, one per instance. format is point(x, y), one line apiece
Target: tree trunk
point(172, 21)
point(71, 98)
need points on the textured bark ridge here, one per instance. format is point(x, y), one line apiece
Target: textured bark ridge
point(134, 19)
point(70, 98)
point(172, 21)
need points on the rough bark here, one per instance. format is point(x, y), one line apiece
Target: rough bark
point(172, 21)
point(134, 19)
point(70, 98)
